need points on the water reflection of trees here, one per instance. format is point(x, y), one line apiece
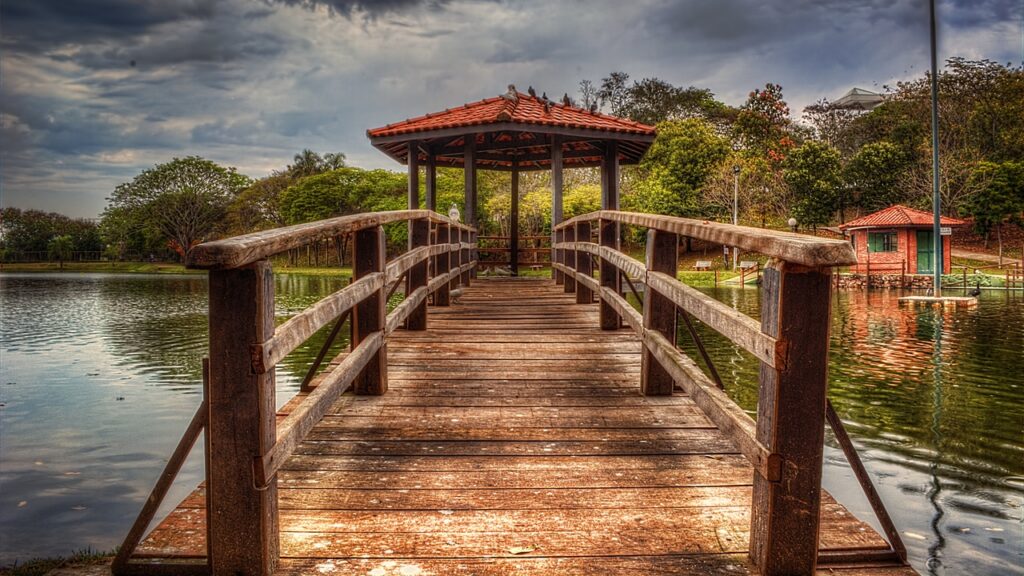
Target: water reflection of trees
point(158, 326)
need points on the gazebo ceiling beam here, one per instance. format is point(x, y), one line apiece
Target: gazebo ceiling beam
point(535, 157)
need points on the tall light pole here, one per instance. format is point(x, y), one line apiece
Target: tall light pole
point(937, 258)
point(735, 206)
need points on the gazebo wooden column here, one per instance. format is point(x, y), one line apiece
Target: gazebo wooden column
point(556, 197)
point(609, 231)
point(513, 243)
point(414, 177)
point(430, 181)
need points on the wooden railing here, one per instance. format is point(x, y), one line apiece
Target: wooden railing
point(785, 443)
point(245, 444)
point(496, 251)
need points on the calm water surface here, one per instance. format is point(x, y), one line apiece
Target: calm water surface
point(99, 375)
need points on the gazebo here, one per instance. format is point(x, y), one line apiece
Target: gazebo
point(514, 132)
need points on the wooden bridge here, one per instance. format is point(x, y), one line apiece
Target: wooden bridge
point(530, 426)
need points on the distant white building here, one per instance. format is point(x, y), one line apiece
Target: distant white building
point(859, 99)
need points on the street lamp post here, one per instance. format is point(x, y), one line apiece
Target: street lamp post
point(735, 206)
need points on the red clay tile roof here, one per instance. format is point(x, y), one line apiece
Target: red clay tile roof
point(897, 216)
point(523, 110)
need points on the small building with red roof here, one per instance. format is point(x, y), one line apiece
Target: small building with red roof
point(897, 240)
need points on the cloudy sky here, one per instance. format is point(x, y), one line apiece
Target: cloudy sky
point(94, 91)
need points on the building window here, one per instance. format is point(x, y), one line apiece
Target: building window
point(881, 241)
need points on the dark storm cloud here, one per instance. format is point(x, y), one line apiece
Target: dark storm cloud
point(41, 24)
point(369, 8)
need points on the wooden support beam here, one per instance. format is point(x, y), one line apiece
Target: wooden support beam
point(569, 258)
point(659, 312)
point(557, 257)
point(243, 519)
point(442, 263)
point(414, 175)
point(556, 199)
point(369, 316)
point(610, 176)
point(465, 256)
point(609, 233)
point(469, 173)
point(513, 242)
point(419, 236)
point(584, 265)
point(796, 303)
point(430, 182)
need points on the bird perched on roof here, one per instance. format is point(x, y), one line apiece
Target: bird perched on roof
point(511, 94)
point(593, 107)
point(566, 100)
point(544, 96)
point(531, 92)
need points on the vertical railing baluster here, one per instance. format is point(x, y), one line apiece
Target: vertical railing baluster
point(557, 257)
point(609, 232)
point(659, 311)
point(569, 259)
point(370, 315)
point(419, 237)
point(584, 264)
point(795, 310)
point(243, 521)
point(442, 265)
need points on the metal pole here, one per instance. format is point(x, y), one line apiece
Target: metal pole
point(735, 207)
point(938, 257)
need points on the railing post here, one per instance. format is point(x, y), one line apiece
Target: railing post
point(569, 259)
point(795, 310)
point(243, 519)
point(659, 312)
point(584, 264)
point(442, 264)
point(464, 256)
point(609, 231)
point(556, 257)
point(370, 315)
point(419, 236)
point(455, 255)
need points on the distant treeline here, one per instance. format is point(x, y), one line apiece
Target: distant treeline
point(830, 165)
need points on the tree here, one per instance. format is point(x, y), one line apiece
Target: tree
point(999, 199)
point(873, 175)
point(678, 164)
point(812, 174)
point(183, 201)
point(32, 230)
point(588, 94)
point(61, 248)
point(763, 123)
point(831, 123)
point(614, 92)
point(308, 163)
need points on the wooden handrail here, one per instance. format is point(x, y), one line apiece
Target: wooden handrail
point(246, 249)
point(290, 335)
point(786, 246)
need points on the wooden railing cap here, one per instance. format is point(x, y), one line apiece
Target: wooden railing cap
point(786, 246)
point(242, 250)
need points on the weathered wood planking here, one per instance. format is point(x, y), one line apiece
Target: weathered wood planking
point(512, 425)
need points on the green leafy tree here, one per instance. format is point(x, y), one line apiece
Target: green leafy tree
point(812, 174)
point(60, 248)
point(763, 123)
point(999, 199)
point(874, 176)
point(678, 164)
point(183, 201)
point(32, 230)
point(308, 163)
point(581, 199)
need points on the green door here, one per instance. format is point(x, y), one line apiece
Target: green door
point(925, 252)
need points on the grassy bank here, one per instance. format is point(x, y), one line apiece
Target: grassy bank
point(41, 566)
point(110, 267)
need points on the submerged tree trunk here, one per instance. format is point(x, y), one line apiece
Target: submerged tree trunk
point(999, 238)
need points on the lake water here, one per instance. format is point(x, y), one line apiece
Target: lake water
point(99, 375)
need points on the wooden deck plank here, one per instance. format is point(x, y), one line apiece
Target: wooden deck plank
point(514, 421)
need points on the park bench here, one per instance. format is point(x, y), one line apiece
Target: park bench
point(702, 265)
